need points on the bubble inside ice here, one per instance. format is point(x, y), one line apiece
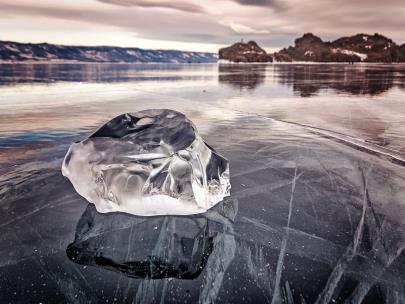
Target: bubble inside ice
point(148, 163)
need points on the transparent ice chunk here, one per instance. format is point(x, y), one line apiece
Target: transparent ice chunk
point(148, 163)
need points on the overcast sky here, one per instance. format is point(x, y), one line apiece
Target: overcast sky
point(201, 25)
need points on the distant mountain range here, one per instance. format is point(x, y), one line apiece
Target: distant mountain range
point(44, 52)
point(357, 48)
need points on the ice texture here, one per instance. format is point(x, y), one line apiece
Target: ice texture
point(148, 163)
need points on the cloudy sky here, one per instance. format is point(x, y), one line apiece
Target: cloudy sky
point(195, 25)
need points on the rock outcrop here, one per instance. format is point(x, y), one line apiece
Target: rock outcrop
point(311, 48)
point(244, 52)
point(357, 48)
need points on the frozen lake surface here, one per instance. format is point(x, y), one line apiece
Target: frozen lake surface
point(317, 206)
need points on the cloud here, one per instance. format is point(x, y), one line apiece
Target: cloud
point(157, 24)
point(176, 5)
point(244, 29)
point(272, 23)
point(255, 2)
point(331, 19)
point(273, 4)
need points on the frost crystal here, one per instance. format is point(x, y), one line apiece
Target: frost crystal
point(151, 162)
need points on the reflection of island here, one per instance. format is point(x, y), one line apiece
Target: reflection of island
point(308, 80)
point(242, 76)
point(145, 247)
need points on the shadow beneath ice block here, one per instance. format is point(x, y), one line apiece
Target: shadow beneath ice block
point(145, 247)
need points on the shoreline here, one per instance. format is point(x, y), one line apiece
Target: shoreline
point(89, 62)
point(191, 63)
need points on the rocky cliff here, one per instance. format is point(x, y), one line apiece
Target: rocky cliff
point(357, 48)
point(44, 52)
point(244, 52)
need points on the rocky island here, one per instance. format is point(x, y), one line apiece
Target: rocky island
point(244, 52)
point(311, 48)
point(357, 48)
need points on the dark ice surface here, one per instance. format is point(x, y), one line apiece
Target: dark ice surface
point(316, 212)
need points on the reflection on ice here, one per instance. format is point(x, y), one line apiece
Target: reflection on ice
point(158, 247)
point(305, 79)
point(309, 80)
point(242, 76)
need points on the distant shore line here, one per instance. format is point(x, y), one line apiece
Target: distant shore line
point(198, 63)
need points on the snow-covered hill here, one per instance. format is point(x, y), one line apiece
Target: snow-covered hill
point(44, 52)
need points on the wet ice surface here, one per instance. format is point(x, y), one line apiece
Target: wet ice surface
point(148, 163)
point(312, 218)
